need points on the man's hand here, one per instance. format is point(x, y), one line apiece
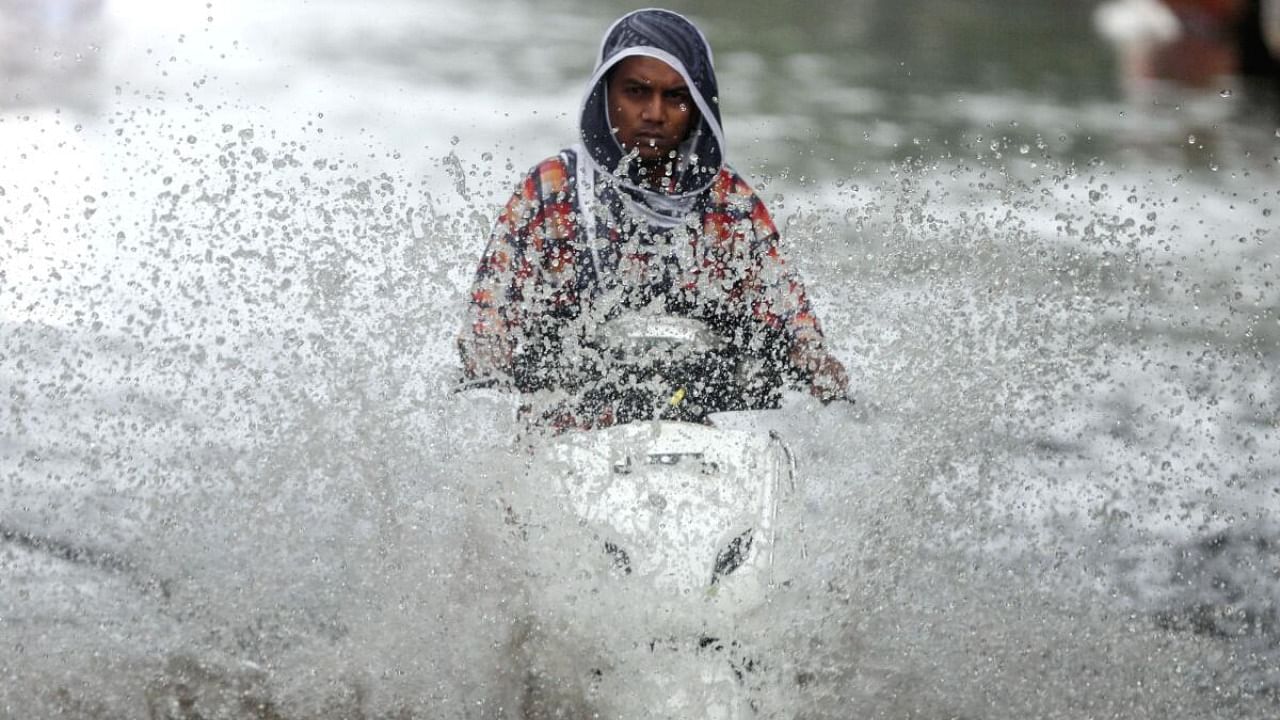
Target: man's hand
point(828, 380)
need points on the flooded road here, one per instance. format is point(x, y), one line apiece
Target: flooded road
point(234, 242)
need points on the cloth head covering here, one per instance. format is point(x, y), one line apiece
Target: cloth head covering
point(671, 38)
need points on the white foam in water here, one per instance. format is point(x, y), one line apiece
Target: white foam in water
point(234, 480)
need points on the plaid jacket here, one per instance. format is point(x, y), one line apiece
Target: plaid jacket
point(722, 266)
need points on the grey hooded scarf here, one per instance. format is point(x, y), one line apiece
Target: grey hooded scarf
point(671, 38)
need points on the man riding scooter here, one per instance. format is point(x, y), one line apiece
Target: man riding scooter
point(642, 213)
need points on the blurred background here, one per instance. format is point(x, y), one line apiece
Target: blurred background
point(234, 243)
point(853, 81)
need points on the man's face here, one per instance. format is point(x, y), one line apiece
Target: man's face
point(649, 106)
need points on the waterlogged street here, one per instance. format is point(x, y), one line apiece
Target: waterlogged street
point(235, 241)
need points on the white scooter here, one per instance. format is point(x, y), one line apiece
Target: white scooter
point(651, 547)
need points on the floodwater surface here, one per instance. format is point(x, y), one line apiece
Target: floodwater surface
point(235, 240)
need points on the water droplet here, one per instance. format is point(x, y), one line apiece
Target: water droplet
point(1094, 196)
point(1224, 93)
point(455, 140)
point(486, 156)
point(1024, 149)
point(1191, 139)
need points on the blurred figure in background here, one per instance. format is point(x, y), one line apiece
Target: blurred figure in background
point(1195, 44)
point(1260, 40)
point(1270, 18)
point(47, 48)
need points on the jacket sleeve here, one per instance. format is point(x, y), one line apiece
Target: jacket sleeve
point(775, 293)
point(495, 312)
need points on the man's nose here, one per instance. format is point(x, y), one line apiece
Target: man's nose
point(653, 109)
